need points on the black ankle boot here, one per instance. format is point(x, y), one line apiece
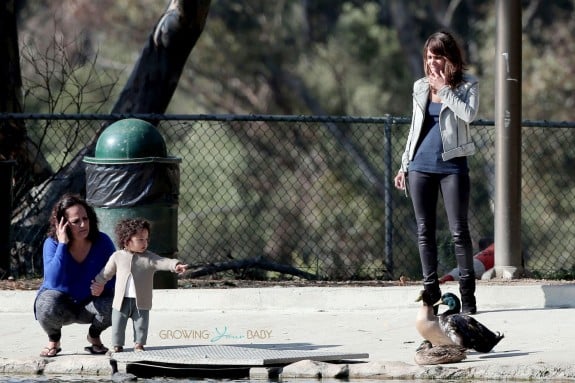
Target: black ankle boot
point(468, 308)
point(467, 291)
point(435, 293)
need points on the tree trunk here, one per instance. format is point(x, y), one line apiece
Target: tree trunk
point(31, 168)
point(157, 72)
point(412, 46)
point(19, 157)
point(10, 79)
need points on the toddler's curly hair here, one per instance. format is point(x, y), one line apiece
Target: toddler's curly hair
point(129, 227)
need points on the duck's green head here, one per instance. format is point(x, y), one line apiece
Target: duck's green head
point(451, 301)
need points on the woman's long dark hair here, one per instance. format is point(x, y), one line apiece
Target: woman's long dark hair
point(444, 44)
point(59, 211)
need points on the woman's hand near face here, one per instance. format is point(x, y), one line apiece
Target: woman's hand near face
point(437, 80)
point(436, 69)
point(61, 231)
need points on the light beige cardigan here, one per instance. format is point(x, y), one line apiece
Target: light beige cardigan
point(142, 266)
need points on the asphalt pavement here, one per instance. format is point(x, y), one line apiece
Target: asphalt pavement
point(536, 318)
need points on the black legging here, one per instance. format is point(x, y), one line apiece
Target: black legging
point(424, 190)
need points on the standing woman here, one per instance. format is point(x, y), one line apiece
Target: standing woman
point(445, 101)
point(74, 252)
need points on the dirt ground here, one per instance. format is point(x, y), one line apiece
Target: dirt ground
point(210, 283)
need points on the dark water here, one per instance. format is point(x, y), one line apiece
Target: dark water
point(97, 379)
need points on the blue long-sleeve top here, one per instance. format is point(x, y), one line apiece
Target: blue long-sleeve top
point(63, 273)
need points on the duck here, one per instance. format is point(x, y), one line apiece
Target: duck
point(427, 323)
point(437, 347)
point(464, 330)
point(426, 353)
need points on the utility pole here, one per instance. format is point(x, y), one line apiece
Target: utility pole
point(508, 263)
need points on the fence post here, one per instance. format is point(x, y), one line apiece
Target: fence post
point(6, 180)
point(388, 174)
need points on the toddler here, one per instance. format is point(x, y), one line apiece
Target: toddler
point(134, 267)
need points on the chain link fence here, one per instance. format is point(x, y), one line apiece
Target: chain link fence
point(315, 194)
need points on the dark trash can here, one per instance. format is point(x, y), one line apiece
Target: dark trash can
point(131, 176)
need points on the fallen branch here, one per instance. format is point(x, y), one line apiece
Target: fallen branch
point(256, 262)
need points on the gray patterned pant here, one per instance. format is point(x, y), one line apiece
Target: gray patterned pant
point(55, 309)
point(140, 322)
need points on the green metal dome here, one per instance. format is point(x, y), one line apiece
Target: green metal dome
point(130, 138)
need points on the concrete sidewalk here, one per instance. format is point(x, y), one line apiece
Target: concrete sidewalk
point(537, 320)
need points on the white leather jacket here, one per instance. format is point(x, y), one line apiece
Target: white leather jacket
point(459, 109)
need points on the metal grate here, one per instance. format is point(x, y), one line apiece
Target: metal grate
point(228, 355)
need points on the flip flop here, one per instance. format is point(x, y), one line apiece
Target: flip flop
point(50, 352)
point(96, 349)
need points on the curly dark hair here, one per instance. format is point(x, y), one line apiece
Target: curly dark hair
point(59, 210)
point(127, 228)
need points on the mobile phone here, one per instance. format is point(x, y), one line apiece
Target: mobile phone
point(68, 229)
